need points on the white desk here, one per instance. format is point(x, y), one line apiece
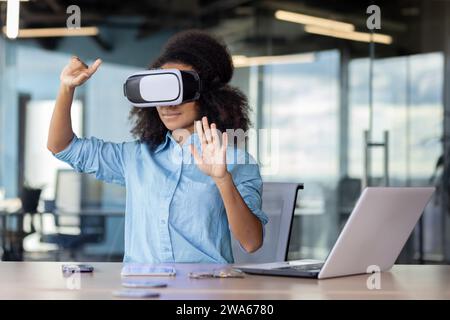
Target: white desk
point(44, 280)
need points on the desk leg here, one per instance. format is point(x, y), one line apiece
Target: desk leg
point(6, 245)
point(3, 230)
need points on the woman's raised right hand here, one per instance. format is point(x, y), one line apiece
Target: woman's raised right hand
point(77, 72)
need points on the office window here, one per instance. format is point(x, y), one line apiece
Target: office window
point(40, 165)
point(300, 101)
point(408, 104)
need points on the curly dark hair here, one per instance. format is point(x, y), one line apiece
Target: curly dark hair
point(223, 104)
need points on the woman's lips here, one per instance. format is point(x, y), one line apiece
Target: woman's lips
point(171, 115)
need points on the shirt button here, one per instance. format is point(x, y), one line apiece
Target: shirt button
point(166, 249)
point(163, 221)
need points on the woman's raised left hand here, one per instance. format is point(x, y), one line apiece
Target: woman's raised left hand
point(212, 160)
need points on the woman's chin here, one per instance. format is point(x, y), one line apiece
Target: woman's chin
point(176, 125)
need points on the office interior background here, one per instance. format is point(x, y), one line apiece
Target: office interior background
point(353, 107)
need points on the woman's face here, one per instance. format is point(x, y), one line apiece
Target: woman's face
point(183, 115)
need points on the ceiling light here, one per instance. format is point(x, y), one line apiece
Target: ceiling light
point(12, 18)
point(355, 36)
point(57, 32)
point(240, 61)
point(311, 20)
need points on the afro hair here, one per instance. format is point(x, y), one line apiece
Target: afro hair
point(223, 104)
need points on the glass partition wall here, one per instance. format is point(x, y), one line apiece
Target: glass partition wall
point(352, 114)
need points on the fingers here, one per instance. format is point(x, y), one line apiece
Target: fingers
point(77, 64)
point(215, 135)
point(77, 72)
point(224, 144)
point(194, 152)
point(83, 64)
point(206, 133)
point(94, 66)
point(75, 59)
point(79, 79)
point(207, 129)
point(215, 155)
point(201, 134)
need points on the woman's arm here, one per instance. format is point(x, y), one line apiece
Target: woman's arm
point(246, 227)
point(104, 159)
point(74, 74)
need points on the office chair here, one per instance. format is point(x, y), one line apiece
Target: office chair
point(348, 190)
point(13, 238)
point(278, 202)
point(92, 230)
point(69, 191)
point(30, 200)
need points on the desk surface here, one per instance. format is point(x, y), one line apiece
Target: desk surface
point(10, 205)
point(93, 211)
point(44, 280)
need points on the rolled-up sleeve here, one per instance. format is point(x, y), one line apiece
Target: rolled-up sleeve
point(95, 156)
point(249, 184)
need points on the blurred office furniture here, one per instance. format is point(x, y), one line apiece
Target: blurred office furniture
point(13, 231)
point(89, 229)
point(370, 181)
point(278, 202)
point(30, 200)
point(313, 230)
point(76, 225)
point(9, 210)
point(431, 226)
point(349, 190)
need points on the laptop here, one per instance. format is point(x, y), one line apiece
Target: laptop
point(372, 239)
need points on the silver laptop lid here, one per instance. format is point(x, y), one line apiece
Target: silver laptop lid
point(377, 230)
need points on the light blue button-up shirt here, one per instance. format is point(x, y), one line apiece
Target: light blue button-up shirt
point(174, 212)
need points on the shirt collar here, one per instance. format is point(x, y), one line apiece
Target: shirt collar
point(163, 144)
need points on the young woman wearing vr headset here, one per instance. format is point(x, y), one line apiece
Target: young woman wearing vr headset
point(176, 211)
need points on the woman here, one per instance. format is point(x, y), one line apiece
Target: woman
point(176, 211)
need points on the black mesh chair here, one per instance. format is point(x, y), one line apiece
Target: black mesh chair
point(348, 190)
point(15, 233)
point(68, 216)
point(278, 202)
point(91, 230)
point(30, 200)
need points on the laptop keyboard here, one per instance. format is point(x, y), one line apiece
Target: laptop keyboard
point(305, 267)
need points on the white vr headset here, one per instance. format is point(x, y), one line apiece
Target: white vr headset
point(162, 87)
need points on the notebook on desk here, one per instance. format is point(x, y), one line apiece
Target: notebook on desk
point(137, 269)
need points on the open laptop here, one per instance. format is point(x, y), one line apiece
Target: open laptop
point(374, 235)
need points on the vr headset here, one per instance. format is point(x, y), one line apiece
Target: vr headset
point(162, 87)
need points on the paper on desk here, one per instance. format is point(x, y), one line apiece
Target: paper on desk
point(138, 269)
